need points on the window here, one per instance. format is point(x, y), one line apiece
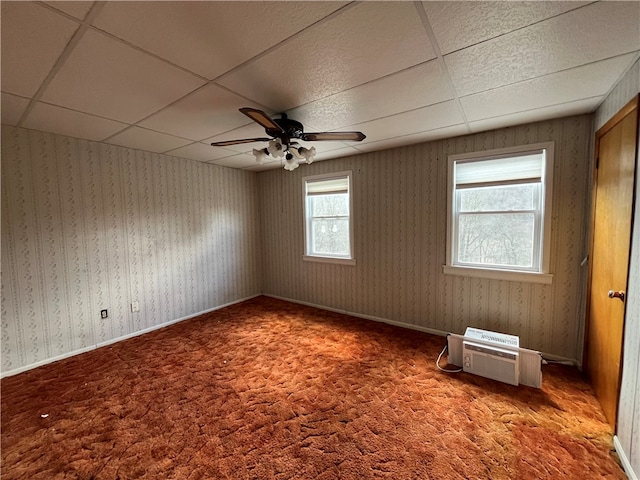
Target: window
point(500, 213)
point(328, 226)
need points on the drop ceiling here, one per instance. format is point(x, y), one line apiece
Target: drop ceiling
point(169, 77)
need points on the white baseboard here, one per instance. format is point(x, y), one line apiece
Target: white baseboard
point(118, 339)
point(624, 459)
point(433, 331)
point(420, 328)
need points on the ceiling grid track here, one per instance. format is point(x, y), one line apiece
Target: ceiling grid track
point(436, 47)
point(73, 42)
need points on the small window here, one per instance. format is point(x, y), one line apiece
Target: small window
point(328, 226)
point(500, 213)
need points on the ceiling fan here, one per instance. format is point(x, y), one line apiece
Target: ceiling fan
point(283, 132)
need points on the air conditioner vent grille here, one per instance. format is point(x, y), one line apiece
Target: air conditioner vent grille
point(493, 337)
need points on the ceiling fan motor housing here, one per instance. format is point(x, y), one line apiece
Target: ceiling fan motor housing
point(292, 129)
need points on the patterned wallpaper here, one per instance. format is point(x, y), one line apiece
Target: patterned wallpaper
point(88, 226)
point(399, 215)
point(629, 408)
point(621, 94)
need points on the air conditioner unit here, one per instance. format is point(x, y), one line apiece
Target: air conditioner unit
point(491, 362)
point(495, 355)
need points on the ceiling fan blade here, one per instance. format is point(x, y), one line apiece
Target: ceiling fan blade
point(335, 136)
point(262, 118)
point(237, 142)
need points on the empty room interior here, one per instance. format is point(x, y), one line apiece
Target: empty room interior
point(277, 240)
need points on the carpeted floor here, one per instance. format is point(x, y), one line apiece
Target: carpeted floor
point(272, 390)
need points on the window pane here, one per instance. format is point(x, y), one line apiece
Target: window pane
point(508, 197)
point(330, 236)
point(496, 239)
point(329, 205)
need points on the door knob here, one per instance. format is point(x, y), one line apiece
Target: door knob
point(619, 295)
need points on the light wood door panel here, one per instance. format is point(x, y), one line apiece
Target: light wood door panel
point(610, 247)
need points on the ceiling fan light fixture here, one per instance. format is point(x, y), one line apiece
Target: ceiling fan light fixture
point(275, 148)
point(307, 153)
point(261, 155)
point(284, 132)
point(290, 164)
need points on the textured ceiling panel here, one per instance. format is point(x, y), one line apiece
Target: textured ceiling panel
point(415, 121)
point(75, 9)
point(207, 112)
point(547, 47)
point(54, 119)
point(537, 115)
point(33, 37)
point(364, 43)
point(238, 161)
point(445, 132)
point(105, 77)
point(209, 38)
point(588, 81)
point(142, 139)
point(419, 86)
point(201, 152)
point(458, 25)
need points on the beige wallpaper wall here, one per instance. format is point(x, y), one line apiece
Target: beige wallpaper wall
point(88, 226)
point(400, 228)
point(629, 408)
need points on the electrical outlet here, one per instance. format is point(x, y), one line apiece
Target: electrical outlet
point(135, 307)
point(104, 313)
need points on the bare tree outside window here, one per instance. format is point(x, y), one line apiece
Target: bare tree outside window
point(330, 224)
point(328, 228)
point(499, 213)
point(496, 225)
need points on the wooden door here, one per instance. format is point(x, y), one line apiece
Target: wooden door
point(616, 146)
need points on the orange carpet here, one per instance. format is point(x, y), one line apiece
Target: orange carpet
point(267, 389)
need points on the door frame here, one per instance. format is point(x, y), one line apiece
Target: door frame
point(633, 104)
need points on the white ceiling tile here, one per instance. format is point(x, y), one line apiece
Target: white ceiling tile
point(74, 8)
point(416, 87)
point(142, 139)
point(566, 109)
point(567, 86)
point(550, 46)
point(363, 43)
point(423, 119)
point(326, 146)
point(209, 38)
point(458, 25)
point(415, 138)
point(33, 37)
point(263, 167)
point(335, 153)
point(210, 110)
point(104, 77)
point(237, 161)
point(200, 152)
point(12, 108)
point(49, 118)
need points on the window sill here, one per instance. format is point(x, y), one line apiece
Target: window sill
point(340, 261)
point(510, 275)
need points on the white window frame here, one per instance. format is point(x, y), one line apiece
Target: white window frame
point(310, 256)
point(542, 274)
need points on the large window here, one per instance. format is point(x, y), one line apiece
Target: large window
point(500, 213)
point(328, 226)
